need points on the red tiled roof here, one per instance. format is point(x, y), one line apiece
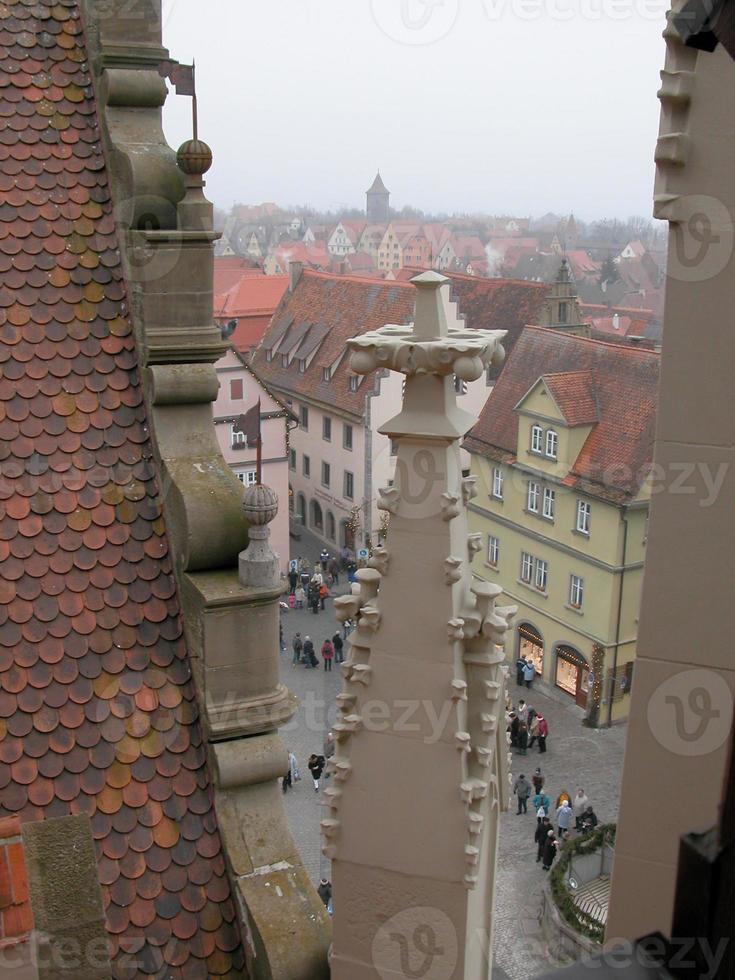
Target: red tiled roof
point(574, 394)
point(617, 454)
point(16, 918)
point(252, 296)
point(97, 707)
point(345, 306)
point(229, 270)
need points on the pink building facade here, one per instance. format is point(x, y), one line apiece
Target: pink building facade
point(239, 391)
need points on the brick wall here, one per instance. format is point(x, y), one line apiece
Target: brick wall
point(16, 921)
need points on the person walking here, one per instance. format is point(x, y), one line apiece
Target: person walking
point(338, 644)
point(522, 739)
point(334, 569)
point(549, 852)
point(589, 820)
point(522, 790)
point(323, 593)
point(543, 826)
point(314, 598)
point(325, 891)
point(293, 580)
point(297, 646)
point(324, 559)
point(292, 773)
point(564, 815)
point(520, 668)
point(300, 597)
point(327, 654)
point(542, 802)
point(513, 728)
point(579, 805)
point(533, 730)
point(308, 655)
point(543, 732)
point(522, 712)
point(529, 673)
point(316, 768)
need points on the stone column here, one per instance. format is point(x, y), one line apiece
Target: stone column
point(421, 768)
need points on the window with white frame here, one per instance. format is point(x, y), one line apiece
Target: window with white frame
point(552, 442)
point(349, 485)
point(542, 575)
point(533, 495)
point(549, 503)
point(346, 436)
point(306, 465)
point(460, 386)
point(583, 516)
point(326, 474)
point(354, 382)
point(493, 551)
point(537, 437)
point(238, 440)
point(304, 417)
point(326, 428)
point(248, 477)
point(498, 483)
point(576, 591)
point(526, 567)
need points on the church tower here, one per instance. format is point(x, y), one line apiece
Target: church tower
point(378, 201)
point(562, 309)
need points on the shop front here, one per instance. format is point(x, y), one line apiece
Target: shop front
point(572, 673)
point(531, 646)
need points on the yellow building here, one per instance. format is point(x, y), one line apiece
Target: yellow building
point(562, 454)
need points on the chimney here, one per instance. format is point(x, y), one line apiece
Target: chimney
point(636, 339)
point(294, 274)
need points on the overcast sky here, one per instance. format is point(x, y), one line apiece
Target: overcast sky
point(519, 106)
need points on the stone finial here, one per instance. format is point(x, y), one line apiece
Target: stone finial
point(259, 565)
point(194, 157)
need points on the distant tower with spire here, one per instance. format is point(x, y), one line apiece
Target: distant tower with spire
point(378, 202)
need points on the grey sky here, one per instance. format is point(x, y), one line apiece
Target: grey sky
point(522, 106)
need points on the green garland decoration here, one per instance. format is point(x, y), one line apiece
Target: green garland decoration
point(580, 921)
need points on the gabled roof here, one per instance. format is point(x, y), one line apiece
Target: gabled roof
point(98, 709)
point(574, 395)
point(616, 456)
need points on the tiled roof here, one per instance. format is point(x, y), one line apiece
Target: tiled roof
point(617, 454)
point(229, 270)
point(574, 394)
point(348, 306)
point(378, 187)
point(97, 706)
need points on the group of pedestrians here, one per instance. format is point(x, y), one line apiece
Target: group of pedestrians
point(569, 815)
point(304, 652)
point(526, 727)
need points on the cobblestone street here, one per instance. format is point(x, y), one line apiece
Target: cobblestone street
point(576, 757)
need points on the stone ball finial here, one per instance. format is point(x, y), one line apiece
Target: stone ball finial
point(194, 157)
point(260, 504)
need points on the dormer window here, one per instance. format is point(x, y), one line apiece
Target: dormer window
point(552, 442)
point(269, 356)
point(284, 360)
point(354, 382)
point(537, 437)
point(302, 365)
point(326, 374)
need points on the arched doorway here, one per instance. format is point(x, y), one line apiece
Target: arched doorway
point(531, 646)
point(331, 526)
point(317, 517)
point(572, 673)
point(301, 508)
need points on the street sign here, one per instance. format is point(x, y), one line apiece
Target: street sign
point(363, 554)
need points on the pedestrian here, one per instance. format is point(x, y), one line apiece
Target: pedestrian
point(316, 768)
point(297, 646)
point(542, 802)
point(538, 780)
point(579, 805)
point(564, 816)
point(543, 826)
point(325, 891)
point(514, 728)
point(300, 596)
point(308, 652)
point(323, 593)
point(522, 790)
point(292, 773)
point(281, 644)
point(522, 739)
point(549, 852)
point(529, 673)
point(347, 628)
point(305, 576)
point(324, 559)
point(589, 820)
point(334, 569)
point(531, 715)
point(543, 732)
point(520, 668)
point(314, 598)
point(293, 580)
point(338, 644)
point(533, 730)
point(317, 578)
point(522, 712)
point(327, 654)
point(563, 798)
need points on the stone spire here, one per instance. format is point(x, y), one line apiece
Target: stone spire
point(421, 767)
point(378, 202)
point(562, 310)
